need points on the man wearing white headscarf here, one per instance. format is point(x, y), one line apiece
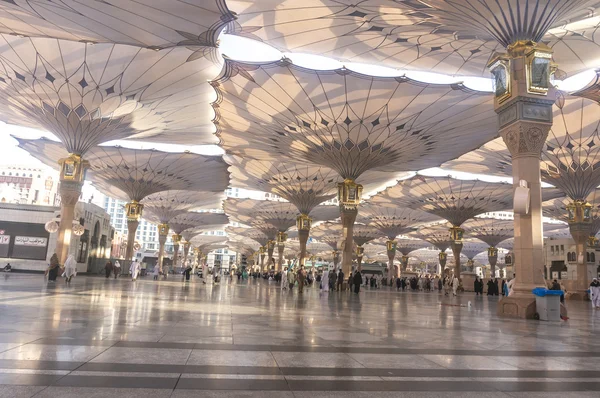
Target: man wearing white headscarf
point(70, 268)
point(595, 293)
point(134, 269)
point(325, 281)
point(284, 280)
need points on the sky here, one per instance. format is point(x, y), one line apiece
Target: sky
point(244, 49)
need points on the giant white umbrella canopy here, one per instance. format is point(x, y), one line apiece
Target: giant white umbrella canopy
point(88, 94)
point(153, 24)
point(162, 207)
point(392, 221)
point(134, 174)
point(570, 157)
point(331, 234)
point(281, 215)
point(191, 224)
point(455, 37)
point(362, 235)
point(454, 200)
point(346, 121)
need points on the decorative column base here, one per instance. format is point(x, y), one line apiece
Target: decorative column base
point(521, 308)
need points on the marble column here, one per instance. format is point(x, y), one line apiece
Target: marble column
point(348, 219)
point(270, 250)
point(525, 118)
point(303, 238)
point(456, 244)
point(580, 231)
point(132, 226)
point(360, 251)
point(404, 263)
point(493, 259)
point(391, 254)
point(69, 196)
point(176, 240)
point(281, 238)
point(442, 257)
point(163, 232)
point(186, 250)
point(71, 176)
point(336, 259)
point(262, 258)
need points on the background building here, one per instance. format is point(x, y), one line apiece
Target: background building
point(28, 185)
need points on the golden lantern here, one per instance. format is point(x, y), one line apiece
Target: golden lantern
point(391, 245)
point(134, 210)
point(72, 168)
point(176, 238)
point(349, 194)
point(303, 222)
point(163, 229)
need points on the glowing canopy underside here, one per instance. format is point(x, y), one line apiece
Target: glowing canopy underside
point(365, 233)
point(407, 245)
point(133, 174)
point(452, 199)
point(392, 220)
point(281, 215)
point(89, 94)
point(455, 37)
point(250, 233)
point(570, 157)
point(162, 207)
point(489, 230)
point(145, 23)
point(347, 121)
point(200, 221)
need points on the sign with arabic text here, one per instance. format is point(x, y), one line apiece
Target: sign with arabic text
point(4, 239)
point(30, 241)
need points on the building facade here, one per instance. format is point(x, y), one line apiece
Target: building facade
point(29, 185)
point(26, 245)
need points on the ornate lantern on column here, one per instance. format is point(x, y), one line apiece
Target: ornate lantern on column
point(360, 251)
point(579, 212)
point(592, 241)
point(442, 257)
point(72, 168)
point(456, 234)
point(391, 245)
point(349, 194)
point(303, 222)
point(134, 210)
point(163, 229)
point(281, 238)
point(176, 238)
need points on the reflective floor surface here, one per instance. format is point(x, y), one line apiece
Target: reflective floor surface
point(116, 338)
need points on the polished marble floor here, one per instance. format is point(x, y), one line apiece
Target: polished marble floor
point(116, 338)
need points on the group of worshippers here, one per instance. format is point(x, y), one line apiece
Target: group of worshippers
point(289, 279)
point(334, 281)
point(452, 284)
point(115, 269)
point(69, 270)
point(374, 282)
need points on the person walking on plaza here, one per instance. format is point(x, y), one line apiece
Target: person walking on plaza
point(447, 285)
point(332, 279)
point(325, 282)
point(357, 282)
point(284, 280)
point(595, 293)
point(301, 279)
point(291, 279)
point(134, 270)
point(492, 287)
point(108, 269)
point(340, 280)
point(70, 268)
point(52, 271)
point(156, 272)
point(187, 272)
point(455, 285)
point(478, 286)
point(117, 269)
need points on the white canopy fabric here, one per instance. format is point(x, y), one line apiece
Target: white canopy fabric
point(347, 121)
point(454, 37)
